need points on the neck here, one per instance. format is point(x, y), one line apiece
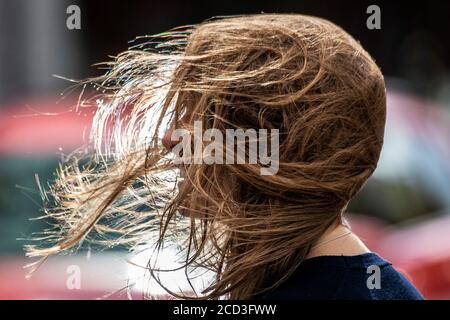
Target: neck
point(338, 241)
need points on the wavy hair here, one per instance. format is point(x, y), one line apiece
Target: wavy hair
point(300, 74)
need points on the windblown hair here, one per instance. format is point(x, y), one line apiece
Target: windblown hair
point(302, 75)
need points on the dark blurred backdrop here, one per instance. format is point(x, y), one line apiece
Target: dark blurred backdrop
point(412, 43)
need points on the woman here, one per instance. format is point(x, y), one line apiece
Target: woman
point(320, 100)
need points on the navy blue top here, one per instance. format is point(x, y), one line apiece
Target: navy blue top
point(344, 277)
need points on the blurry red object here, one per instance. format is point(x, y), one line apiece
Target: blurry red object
point(43, 127)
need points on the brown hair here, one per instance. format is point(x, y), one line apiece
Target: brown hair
point(302, 75)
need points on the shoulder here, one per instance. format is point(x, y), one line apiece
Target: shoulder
point(371, 277)
point(361, 277)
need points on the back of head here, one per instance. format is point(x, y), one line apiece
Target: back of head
point(311, 80)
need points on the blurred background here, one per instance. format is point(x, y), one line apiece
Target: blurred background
point(403, 213)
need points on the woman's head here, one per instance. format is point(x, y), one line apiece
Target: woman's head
point(300, 75)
